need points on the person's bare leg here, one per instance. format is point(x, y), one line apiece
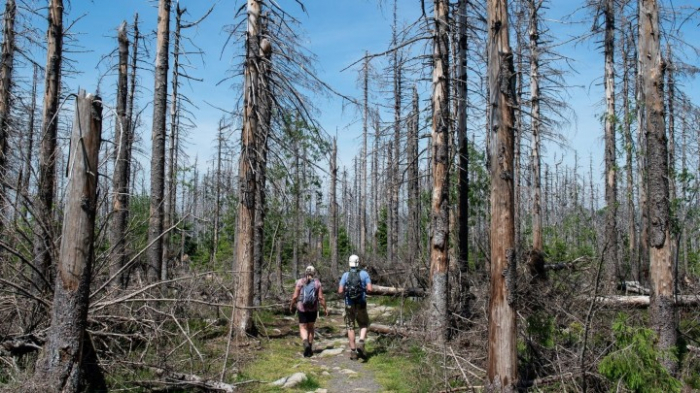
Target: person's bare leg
point(351, 338)
point(311, 332)
point(363, 333)
point(303, 332)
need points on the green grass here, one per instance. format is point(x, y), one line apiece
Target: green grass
point(399, 371)
point(279, 359)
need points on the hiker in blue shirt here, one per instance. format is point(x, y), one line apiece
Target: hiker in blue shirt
point(355, 284)
point(308, 294)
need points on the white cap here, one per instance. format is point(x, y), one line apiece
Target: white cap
point(354, 261)
point(310, 271)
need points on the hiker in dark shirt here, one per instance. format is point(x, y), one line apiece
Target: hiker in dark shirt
point(355, 304)
point(308, 294)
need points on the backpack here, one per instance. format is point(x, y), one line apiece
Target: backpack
point(308, 294)
point(353, 286)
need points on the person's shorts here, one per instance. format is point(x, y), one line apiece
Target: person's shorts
point(356, 312)
point(307, 316)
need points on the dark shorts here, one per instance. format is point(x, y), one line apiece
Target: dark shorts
point(307, 316)
point(356, 312)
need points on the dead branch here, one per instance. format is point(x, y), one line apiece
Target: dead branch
point(642, 301)
point(392, 330)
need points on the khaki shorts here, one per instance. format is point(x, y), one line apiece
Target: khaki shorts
point(356, 312)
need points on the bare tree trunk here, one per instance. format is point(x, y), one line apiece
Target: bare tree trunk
point(502, 371)
point(463, 170)
point(363, 160)
point(171, 183)
point(44, 232)
point(25, 176)
point(612, 268)
point(629, 148)
point(413, 225)
point(60, 365)
point(439, 243)
point(160, 92)
point(217, 196)
point(265, 112)
point(661, 310)
point(245, 232)
point(333, 210)
point(395, 176)
point(6, 65)
point(120, 178)
point(537, 242)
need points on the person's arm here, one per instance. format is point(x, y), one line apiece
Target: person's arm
point(368, 283)
point(295, 296)
point(341, 286)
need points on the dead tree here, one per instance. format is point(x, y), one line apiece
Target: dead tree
point(120, 178)
point(612, 270)
point(160, 93)
point(395, 170)
point(502, 370)
point(661, 275)
point(333, 210)
point(43, 234)
point(59, 368)
point(245, 263)
point(6, 65)
point(439, 241)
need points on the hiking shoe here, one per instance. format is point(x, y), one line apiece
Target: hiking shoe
point(307, 349)
point(353, 355)
point(361, 349)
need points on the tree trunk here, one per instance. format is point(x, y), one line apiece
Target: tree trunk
point(413, 225)
point(363, 160)
point(395, 176)
point(629, 153)
point(661, 310)
point(170, 194)
point(612, 268)
point(6, 65)
point(44, 232)
point(160, 93)
point(245, 231)
point(537, 242)
point(463, 169)
point(262, 135)
point(59, 367)
point(120, 178)
point(502, 371)
point(333, 211)
point(439, 242)
point(217, 194)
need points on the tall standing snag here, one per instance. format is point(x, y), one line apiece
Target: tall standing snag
point(59, 368)
point(245, 263)
point(651, 73)
point(160, 92)
point(439, 207)
point(6, 62)
point(502, 352)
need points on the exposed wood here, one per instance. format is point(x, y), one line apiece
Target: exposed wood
point(60, 364)
point(378, 290)
point(6, 66)
point(160, 100)
point(642, 301)
point(502, 369)
point(439, 221)
point(390, 330)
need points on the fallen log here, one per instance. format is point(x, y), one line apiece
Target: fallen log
point(378, 290)
point(189, 381)
point(642, 301)
point(634, 287)
point(391, 330)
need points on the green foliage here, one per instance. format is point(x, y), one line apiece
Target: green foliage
point(382, 229)
point(541, 329)
point(635, 361)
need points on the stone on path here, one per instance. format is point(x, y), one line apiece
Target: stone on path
point(331, 352)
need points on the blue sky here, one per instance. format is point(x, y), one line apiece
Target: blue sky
point(338, 32)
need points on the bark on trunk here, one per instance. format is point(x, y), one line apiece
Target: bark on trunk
point(612, 270)
point(537, 242)
point(463, 169)
point(120, 179)
point(245, 263)
point(661, 310)
point(44, 232)
point(333, 206)
point(363, 160)
point(502, 369)
point(59, 367)
point(439, 239)
point(6, 65)
point(393, 235)
point(155, 224)
point(413, 225)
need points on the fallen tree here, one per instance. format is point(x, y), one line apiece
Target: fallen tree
point(642, 301)
point(390, 330)
point(378, 290)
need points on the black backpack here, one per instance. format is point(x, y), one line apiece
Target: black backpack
point(353, 285)
point(308, 294)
